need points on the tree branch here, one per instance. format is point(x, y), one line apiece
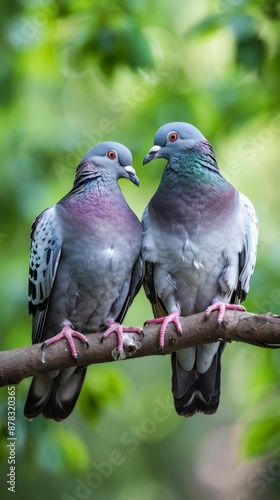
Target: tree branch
point(258, 330)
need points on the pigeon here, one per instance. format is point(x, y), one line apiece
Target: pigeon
point(85, 270)
point(199, 251)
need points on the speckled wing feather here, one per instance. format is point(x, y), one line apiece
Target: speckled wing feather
point(248, 256)
point(44, 258)
point(239, 278)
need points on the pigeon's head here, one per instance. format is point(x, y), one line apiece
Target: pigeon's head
point(108, 158)
point(173, 138)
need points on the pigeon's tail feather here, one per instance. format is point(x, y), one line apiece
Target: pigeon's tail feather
point(54, 398)
point(64, 396)
point(195, 392)
point(38, 395)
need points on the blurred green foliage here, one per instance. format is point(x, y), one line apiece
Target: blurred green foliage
point(72, 74)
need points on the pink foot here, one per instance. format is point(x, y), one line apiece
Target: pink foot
point(171, 318)
point(68, 334)
point(221, 307)
point(119, 330)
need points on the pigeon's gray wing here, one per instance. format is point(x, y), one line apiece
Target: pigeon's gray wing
point(157, 305)
point(149, 245)
point(135, 285)
point(45, 253)
point(248, 254)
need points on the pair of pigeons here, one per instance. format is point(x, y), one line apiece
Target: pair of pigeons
point(196, 248)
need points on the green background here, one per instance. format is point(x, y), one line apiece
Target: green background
point(74, 73)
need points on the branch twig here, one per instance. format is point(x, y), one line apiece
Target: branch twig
point(258, 330)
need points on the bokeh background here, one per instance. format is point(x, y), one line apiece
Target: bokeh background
point(74, 73)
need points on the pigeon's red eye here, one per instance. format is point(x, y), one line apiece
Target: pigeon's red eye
point(111, 154)
point(173, 136)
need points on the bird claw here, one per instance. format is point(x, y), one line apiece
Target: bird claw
point(68, 334)
point(221, 307)
point(164, 321)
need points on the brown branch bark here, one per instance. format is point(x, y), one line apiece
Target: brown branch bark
point(258, 330)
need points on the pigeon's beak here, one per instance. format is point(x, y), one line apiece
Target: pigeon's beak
point(152, 155)
point(132, 175)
